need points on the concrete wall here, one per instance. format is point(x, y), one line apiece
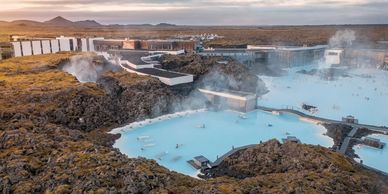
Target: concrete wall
point(54, 46)
point(26, 48)
point(64, 44)
point(176, 80)
point(230, 101)
point(36, 47)
point(67, 43)
point(91, 43)
point(46, 46)
point(364, 57)
point(333, 57)
point(84, 43)
point(131, 44)
point(17, 49)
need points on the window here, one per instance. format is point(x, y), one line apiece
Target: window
point(332, 53)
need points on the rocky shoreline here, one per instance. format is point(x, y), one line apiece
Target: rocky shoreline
point(338, 132)
point(300, 165)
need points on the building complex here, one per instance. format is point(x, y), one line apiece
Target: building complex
point(286, 56)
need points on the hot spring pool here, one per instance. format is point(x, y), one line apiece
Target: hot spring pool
point(221, 131)
point(364, 94)
point(373, 157)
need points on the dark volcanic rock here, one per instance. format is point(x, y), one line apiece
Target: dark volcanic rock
point(337, 132)
point(211, 74)
point(300, 167)
point(53, 140)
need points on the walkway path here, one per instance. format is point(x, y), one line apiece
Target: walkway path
point(345, 143)
point(382, 129)
point(234, 150)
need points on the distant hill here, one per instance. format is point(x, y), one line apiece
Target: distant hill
point(25, 22)
point(88, 23)
point(60, 21)
point(165, 25)
point(2, 23)
point(57, 21)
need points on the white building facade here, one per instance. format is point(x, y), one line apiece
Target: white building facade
point(59, 44)
point(333, 56)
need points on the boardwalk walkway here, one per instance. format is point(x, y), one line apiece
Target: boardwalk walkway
point(382, 129)
point(345, 143)
point(234, 150)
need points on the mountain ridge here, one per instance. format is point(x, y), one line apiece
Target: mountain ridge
point(57, 21)
point(61, 21)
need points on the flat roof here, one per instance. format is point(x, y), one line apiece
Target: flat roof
point(160, 72)
point(303, 48)
point(225, 50)
point(240, 95)
point(253, 48)
point(133, 57)
point(201, 158)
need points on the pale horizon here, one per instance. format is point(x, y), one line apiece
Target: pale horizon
point(199, 12)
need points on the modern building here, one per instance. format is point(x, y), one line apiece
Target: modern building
point(105, 45)
point(161, 45)
point(288, 56)
point(45, 46)
point(292, 139)
point(350, 119)
point(108, 44)
point(269, 54)
point(333, 56)
point(235, 100)
point(373, 142)
point(357, 57)
point(200, 162)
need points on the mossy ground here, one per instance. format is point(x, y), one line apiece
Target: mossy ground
point(45, 148)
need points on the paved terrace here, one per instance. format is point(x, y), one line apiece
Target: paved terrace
point(345, 143)
point(134, 61)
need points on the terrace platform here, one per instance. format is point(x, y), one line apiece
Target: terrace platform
point(235, 100)
point(146, 63)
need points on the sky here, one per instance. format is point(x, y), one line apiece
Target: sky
point(201, 12)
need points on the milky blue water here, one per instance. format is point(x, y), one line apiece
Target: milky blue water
point(358, 95)
point(373, 157)
point(364, 97)
point(222, 131)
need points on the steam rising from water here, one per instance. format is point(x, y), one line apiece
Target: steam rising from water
point(87, 70)
point(342, 39)
point(218, 79)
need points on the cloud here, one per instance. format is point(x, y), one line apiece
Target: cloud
point(201, 12)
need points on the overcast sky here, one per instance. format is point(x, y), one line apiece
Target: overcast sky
point(201, 12)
